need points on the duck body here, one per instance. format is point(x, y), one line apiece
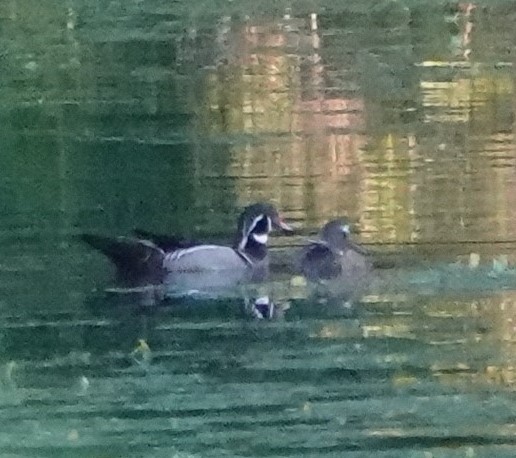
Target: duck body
point(185, 267)
point(321, 263)
point(209, 269)
point(335, 261)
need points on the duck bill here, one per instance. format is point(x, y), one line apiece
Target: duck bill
point(280, 224)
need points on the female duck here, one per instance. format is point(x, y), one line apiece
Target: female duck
point(335, 260)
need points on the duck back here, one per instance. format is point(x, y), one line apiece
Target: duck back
point(320, 263)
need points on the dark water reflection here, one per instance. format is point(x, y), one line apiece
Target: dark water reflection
point(171, 117)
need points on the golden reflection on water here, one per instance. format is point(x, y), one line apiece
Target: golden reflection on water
point(462, 97)
point(455, 328)
point(326, 151)
point(414, 145)
point(327, 118)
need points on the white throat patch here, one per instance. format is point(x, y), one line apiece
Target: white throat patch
point(260, 238)
point(247, 231)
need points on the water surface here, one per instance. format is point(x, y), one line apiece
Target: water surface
point(172, 117)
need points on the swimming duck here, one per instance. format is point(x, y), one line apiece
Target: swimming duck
point(334, 259)
point(185, 265)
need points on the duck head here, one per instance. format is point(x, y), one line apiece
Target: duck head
point(255, 224)
point(335, 234)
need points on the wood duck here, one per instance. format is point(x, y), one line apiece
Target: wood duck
point(185, 265)
point(334, 259)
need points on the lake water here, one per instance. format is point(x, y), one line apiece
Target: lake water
point(172, 116)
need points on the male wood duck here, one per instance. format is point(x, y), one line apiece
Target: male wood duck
point(335, 260)
point(191, 266)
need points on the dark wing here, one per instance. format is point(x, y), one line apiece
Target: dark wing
point(137, 261)
point(167, 243)
point(320, 263)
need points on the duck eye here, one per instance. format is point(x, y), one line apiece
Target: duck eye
point(261, 226)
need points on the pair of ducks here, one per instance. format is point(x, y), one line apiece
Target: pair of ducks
point(186, 265)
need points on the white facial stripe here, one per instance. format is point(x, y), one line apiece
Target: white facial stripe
point(246, 233)
point(260, 238)
point(345, 229)
point(255, 221)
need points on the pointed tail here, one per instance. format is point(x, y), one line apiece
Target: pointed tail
point(137, 261)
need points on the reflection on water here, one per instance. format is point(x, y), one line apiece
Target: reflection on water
point(171, 117)
point(402, 374)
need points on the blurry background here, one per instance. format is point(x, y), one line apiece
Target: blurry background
point(171, 116)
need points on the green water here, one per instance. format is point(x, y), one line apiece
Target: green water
point(172, 116)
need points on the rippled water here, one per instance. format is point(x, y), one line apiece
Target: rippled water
point(172, 116)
